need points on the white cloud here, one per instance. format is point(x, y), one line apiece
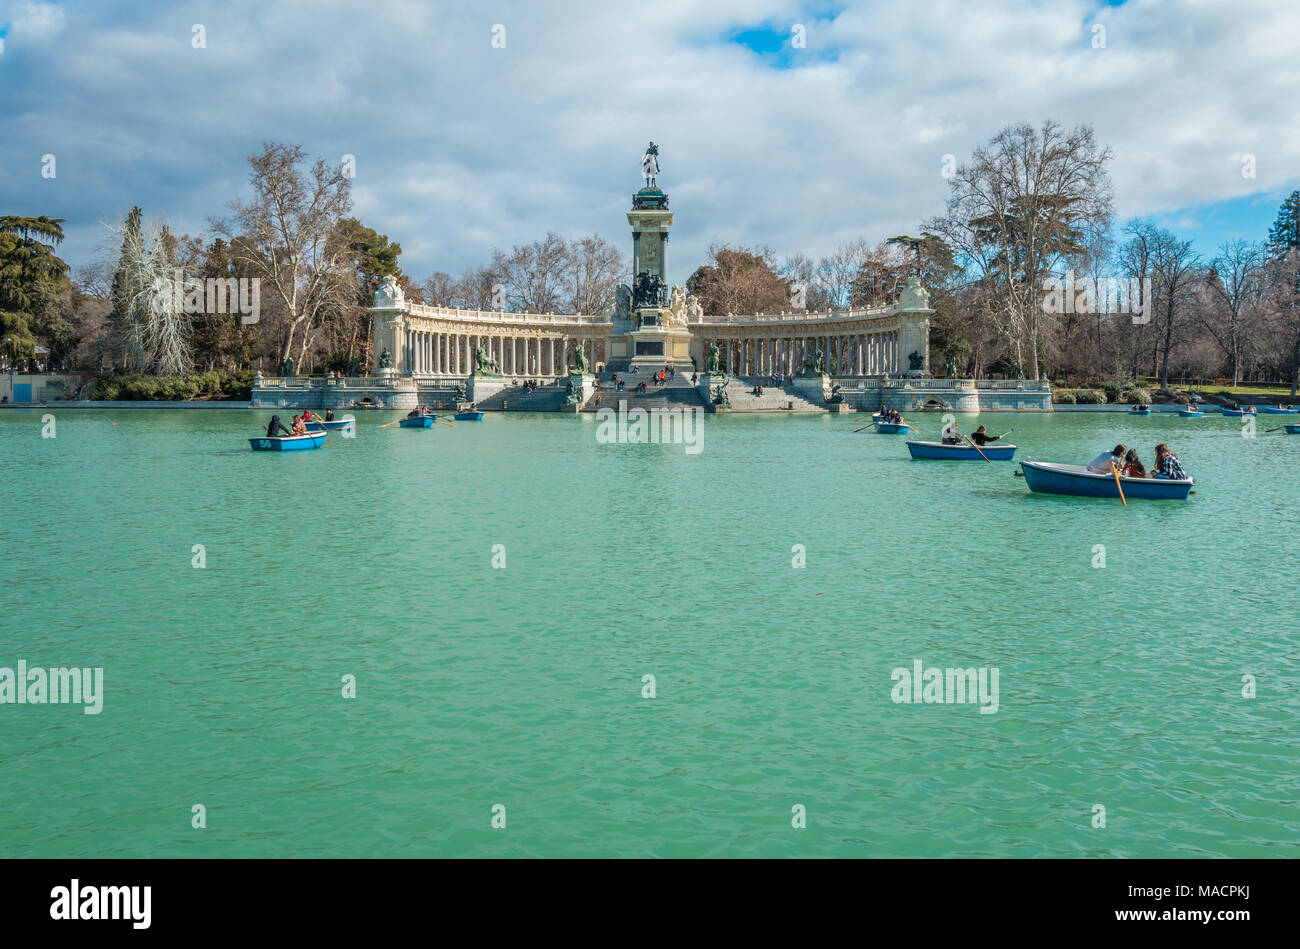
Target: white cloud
point(38, 21)
point(461, 147)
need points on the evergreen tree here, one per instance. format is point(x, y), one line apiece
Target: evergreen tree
point(126, 291)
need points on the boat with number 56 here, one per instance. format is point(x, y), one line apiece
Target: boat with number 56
point(288, 442)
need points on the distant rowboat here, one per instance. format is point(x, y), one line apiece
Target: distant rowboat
point(1051, 478)
point(1187, 413)
point(288, 442)
point(892, 428)
point(333, 425)
point(420, 421)
point(1293, 429)
point(1274, 411)
point(1236, 413)
point(469, 416)
point(1139, 411)
point(939, 450)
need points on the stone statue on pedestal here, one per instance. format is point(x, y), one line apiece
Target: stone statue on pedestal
point(484, 363)
point(385, 359)
point(815, 365)
point(579, 360)
point(915, 361)
point(676, 315)
point(650, 165)
point(714, 361)
point(648, 289)
point(390, 294)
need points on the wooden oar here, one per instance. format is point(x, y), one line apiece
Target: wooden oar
point(1005, 434)
point(977, 448)
point(1115, 472)
point(1278, 429)
point(393, 422)
point(448, 424)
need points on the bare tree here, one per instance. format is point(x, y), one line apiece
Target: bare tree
point(440, 289)
point(534, 274)
point(283, 236)
point(1283, 304)
point(592, 272)
point(1023, 206)
point(837, 271)
point(739, 280)
point(1136, 257)
point(1235, 287)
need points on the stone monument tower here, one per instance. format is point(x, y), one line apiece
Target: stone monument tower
point(649, 332)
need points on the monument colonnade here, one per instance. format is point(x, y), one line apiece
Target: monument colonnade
point(442, 341)
point(865, 343)
point(439, 341)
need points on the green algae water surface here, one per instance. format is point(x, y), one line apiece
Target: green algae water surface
point(502, 593)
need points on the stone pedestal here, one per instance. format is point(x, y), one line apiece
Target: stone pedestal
point(482, 387)
point(584, 386)
point(709, 381)
point(816, 389)
point(651, 345)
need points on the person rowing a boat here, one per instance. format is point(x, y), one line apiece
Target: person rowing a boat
point(329, 415)
point(1167, 464)
point(276, 427)
point(1108, 460)
point(982, 437)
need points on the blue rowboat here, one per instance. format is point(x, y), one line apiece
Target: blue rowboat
point(288, 442)
point(333, 425)
point(1139, 411)
point(1293, 429)
point(1187, 413)
point(1273, 411)
point(469, 416)
point(960, 452)
point(891, 428)
point(1236, 413)
point(420, 421)
point(1046, 477)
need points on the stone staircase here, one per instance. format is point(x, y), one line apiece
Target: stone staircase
point(675, 393)
point(549, 398)
point(785, 399)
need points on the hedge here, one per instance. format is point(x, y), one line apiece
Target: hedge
point(1079, 396)
point(215, 386)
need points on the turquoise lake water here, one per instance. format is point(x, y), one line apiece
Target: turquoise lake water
point(522, 686)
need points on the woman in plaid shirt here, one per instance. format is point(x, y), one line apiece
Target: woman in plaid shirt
point(1167, 465)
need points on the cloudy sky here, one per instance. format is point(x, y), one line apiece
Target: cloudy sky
point(462, 146)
